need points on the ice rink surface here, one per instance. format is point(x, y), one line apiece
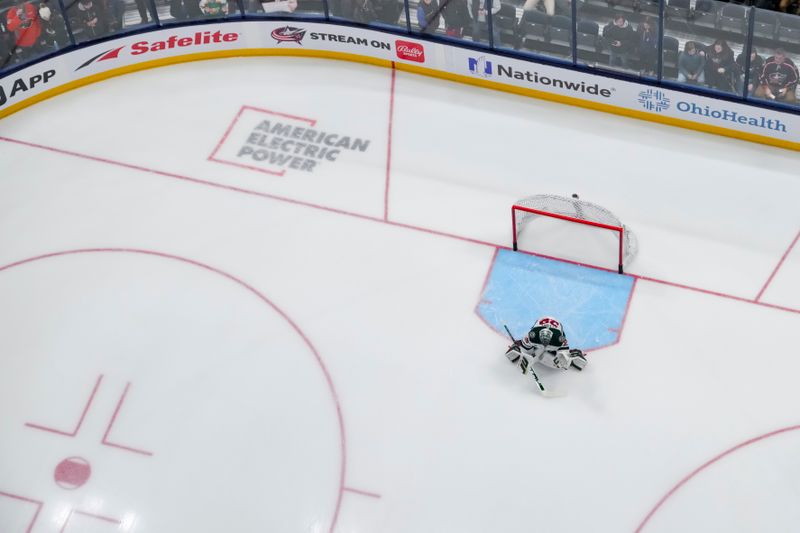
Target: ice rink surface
point(197, 341)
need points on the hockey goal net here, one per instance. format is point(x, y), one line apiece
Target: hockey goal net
point(576, 211)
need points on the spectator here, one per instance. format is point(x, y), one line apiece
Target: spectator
point(388, 12)
point(648, 47)
point(784, 5)
point(720, 67)
point(549, 6)
point(115, 14)
point(364, 11)
point(88, 21)
point(141, 6)
point(456, 17)
point(185, 9)
point(54, 30)
point(690, 65)
point(23, 20)
point(779, 79)
point(219, 8)
point(478, 13)
point(6, 47)
point(621, 40)
point(756, 67)
point(428, 16)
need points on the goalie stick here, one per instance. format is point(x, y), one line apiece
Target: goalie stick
point(528, 367)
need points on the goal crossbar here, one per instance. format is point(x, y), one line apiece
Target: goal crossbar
point(619, 229)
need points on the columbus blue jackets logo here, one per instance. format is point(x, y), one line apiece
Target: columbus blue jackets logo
point(289, 34)
point(654, 100)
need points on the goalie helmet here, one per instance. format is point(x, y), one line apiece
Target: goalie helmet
point(545, 336)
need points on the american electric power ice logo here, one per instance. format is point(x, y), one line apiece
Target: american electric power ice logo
point(410, 51)
point(23, 85)
point(288, 34)
point(654, 100)
point(480, 66)
point(272, 143)
point(200, 38)
point(657, 101)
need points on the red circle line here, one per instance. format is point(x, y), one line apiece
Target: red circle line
point(260, 296)
point(705, 465)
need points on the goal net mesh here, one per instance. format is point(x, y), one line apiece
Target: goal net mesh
point(576, 209)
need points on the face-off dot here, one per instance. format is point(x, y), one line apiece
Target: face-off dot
point(72, 473)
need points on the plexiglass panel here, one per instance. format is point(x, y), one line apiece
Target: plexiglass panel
point(29, 30)
point(543, 28)
point(386, 13)
point(619, 35)
point(175, 11)
point(774, 58)
point(94, 19)
point(704, 44)
point(300, 8)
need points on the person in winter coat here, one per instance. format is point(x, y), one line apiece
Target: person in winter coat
point(88, 21)
point(778, 78)
point(478, 13)
point(621, 40)
point(720, 67)
point(456, 17)
point(691, 65)
point(648, 47)
point(428, 16)
point(54, 30)
point(756, 67)
point(23, 20)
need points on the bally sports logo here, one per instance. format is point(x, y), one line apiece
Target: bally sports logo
point(410, 51)
point(200, 38)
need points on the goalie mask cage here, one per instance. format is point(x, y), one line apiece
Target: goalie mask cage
point(574, 210)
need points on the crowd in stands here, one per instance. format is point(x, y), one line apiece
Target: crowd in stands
point(609, 37)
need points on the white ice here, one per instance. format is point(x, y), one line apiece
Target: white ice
point(297, 367)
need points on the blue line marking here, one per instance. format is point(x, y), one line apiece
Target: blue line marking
point(590, 303)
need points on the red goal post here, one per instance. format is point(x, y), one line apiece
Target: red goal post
point(574, 210)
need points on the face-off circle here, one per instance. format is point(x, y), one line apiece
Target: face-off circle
point(189, 388)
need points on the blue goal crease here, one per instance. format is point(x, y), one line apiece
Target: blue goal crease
point(590, 303)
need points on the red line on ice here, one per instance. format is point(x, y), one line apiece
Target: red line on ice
point(248, 167)
point(389, 145)
point(111, 424)
point(225, 136)
point(311, 121)
point(38, 504)
point(362, 492)
point(80, 421)
point(376, 219)
point(705, 465)
point(90, 515)
point(778, 266)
